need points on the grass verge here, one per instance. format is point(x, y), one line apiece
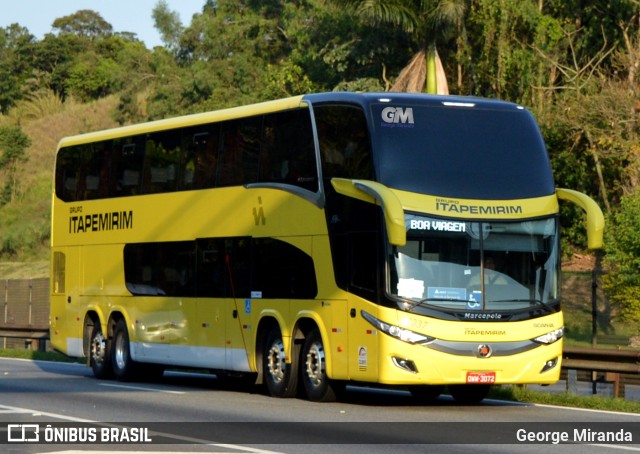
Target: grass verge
point(522, 394)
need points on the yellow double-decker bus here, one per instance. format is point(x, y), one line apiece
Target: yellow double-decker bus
point(309, 242)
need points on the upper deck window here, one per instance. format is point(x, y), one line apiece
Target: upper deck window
point(345, 146)
point(271, 148)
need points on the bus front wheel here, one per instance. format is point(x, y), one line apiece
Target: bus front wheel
point(100, 354)
point(123, 365)
point(469, 394)
point(281, 378)
point(314, 369)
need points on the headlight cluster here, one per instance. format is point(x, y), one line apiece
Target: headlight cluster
point(402, 334)
point(551, 337)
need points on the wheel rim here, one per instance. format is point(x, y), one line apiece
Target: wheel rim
point(119, 352)
point(98, 348)
point(314, 364)
point(275, 361)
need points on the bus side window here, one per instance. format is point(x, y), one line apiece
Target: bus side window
point(202, 157)
point(240, 153)
point(224, 266)
point(288, 154)
point(238, 266)
point(129, 157)
point(292, 275)
point(211, 268)
point(97, 178)
point(355, 234)
point(162, 157)
point(67, 173)
point(160, 269)
point(345, 146)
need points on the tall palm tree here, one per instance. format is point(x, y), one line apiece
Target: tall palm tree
point(427, 21)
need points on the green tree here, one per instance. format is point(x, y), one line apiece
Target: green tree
point(339, 51)
point(622, 242)
point(221, 59)
point(428, 22)
point(168, 23)
point(54, 57)
point(85, 23)
point(16, 63)
point(93, 77)
point(13, 145)
point(86, 59)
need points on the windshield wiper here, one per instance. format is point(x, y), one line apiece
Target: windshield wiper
point(428, 300)
point(528, 300)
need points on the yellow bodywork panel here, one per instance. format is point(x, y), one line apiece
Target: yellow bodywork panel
point(595, 218)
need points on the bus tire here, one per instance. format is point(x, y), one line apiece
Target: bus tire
point(123, 366)
point(314, 370)
point(100, 354)
point(426, 393)
point(469, 394)
point(281, 378)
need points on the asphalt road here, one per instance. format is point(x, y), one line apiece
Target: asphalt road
point(183, 412)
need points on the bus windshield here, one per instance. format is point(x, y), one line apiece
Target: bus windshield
point(476, 266)
point(467, 152)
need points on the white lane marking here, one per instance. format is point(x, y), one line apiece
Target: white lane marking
point(141, 388)
point(626, 448)
point(589, 410)
point(9, 409)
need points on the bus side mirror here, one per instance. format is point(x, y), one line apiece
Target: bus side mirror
point(595, 218)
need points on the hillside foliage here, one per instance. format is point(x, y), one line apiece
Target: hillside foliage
point(573, 63)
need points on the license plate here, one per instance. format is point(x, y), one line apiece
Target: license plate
point(481, 378)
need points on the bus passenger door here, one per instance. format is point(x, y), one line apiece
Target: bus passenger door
point(238, 331)
point(223, 269)
point(213, 305)
point(211, 331)
point(238, 275)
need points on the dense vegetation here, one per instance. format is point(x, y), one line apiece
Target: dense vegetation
point(574, 63)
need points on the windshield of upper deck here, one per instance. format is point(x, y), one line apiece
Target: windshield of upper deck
point(461, 151)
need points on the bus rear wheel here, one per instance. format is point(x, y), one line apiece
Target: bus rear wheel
point(314, 369)
point(100, 354)
point(124, 367)
point(469, 394)
point(281, 378)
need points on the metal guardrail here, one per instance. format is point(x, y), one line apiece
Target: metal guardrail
point(620, 361)
point(41, 335)
point(613, 363)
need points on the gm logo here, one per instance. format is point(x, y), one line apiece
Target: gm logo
point(397, 115)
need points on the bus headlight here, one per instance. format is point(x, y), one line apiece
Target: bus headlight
point(402, 334)
point(550, 337)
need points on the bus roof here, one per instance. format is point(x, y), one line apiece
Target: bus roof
point(186, 120)
point(278, 105)
point(425, 99)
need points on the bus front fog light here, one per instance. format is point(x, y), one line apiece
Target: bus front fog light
point(405, 364)
point(550, 364)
